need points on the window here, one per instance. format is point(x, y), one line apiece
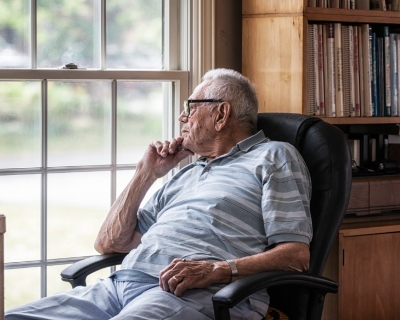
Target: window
point(70, 139)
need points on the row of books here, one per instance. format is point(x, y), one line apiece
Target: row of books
point(384, 5)
point(352, 70)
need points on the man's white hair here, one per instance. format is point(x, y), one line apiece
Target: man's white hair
point(229, 85)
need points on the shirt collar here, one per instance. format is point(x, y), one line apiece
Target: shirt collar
point(244, 145)
point(249, 142)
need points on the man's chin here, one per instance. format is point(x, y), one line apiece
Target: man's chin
point(186, 145)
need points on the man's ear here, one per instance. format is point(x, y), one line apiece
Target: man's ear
point(222, 114)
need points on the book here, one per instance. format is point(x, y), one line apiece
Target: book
point(312, 71)
point(354, 145)
point(356, 70)
point(361, 69)
point(386, 50)
point(395, 5)
point(366, 34)
point(321, 70)
point(362, 4)
point(325, 66)
point(398, 71)
point(381, 76)
point(374, 85)
point(338, 69)
point(378, 5)
point(348, 71)
point(393, 75)
point(365, 148)
point(331, 100)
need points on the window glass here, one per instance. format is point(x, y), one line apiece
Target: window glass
point(134, 34)
point(68, 32)
point(21, 286)
point(79, 123)
point(139, 118)
point(20, 202)
point(20, 124)
point(15, 34)
point(77, 205)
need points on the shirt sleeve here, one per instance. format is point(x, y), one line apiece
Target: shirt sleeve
point(286, 201)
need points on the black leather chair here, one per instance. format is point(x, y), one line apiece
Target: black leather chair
point(300, 295)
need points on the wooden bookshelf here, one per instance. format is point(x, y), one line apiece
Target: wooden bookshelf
point(274, 51)
point(362, 120)
point(274, 54)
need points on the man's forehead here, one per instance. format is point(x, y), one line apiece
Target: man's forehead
point(198, 91)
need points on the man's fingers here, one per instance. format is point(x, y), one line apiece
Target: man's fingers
point(168, 147)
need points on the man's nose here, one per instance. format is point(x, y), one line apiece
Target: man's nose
point(183, 117)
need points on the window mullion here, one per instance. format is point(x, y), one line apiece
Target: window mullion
point(33, 34)
point(43, 231)
point(103, 40)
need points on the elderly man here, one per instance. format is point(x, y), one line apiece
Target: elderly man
point(240, 209)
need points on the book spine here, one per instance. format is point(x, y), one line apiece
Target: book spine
point(311, 79)
point(387, 71)
point(331, 70)
point(338, 70)
point(381, 76)
point(316, 69)
point(356, 70)
point(351, 68)
point(367, 66)
point(361, 58)
point(398, 71)
point(348, 71)
point(374, 85)
point(326, 82)
point(393, 75)
point(321, 71)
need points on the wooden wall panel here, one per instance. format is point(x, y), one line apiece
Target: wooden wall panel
point(272, 58)
point(272, 7)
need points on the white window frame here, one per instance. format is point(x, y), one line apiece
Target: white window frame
point(190, 56)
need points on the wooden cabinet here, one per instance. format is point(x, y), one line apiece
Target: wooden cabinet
point(365, 261)
point(274, 50)
point(369, 273)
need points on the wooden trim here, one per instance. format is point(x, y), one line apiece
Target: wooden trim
point(369, 230)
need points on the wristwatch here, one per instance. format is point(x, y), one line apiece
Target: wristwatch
point(234, 274)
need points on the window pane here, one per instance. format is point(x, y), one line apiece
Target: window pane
point(68, 31)
point(55, 284)
point(77, 206)
point(139, 118)
point(20, 124)
point(20, 203)
point(79, 123)
point(21, 286)
point(15, 34)
point(134, 34)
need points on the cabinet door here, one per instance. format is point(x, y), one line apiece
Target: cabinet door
point(369, 274)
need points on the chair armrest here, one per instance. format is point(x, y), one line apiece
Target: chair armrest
point(235, 292)
point(76, 273)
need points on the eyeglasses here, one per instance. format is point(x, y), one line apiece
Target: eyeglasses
point(186, 104)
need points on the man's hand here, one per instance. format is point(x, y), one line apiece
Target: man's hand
point(182, 274)
point(161, 157)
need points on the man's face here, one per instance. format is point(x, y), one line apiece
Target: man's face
point(198, 130)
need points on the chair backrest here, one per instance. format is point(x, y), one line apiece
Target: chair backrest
point(325, 150)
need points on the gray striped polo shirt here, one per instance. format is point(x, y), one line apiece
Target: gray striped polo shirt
point(237, 205)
